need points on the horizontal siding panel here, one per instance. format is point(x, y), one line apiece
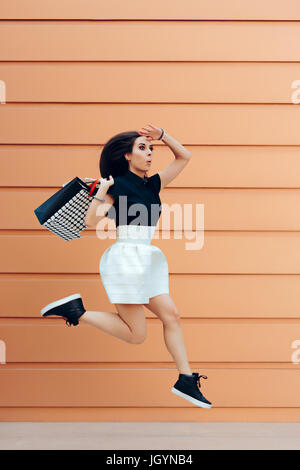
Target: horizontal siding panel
point(211, 166)
point(223, 209)
point(169, 9)
point(152, 414)
point(206, 340)
point(182, 41)
point(216, 124)
point(145, 388)
point(260, 296)
point(121, 82)
point(221, 252)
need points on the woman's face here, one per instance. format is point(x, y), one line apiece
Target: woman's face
point(141, 157)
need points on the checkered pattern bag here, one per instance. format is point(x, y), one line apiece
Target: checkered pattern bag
point(64, 212)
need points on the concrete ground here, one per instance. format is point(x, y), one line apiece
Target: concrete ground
point(158, 435)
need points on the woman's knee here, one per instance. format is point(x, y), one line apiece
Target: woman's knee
point(171, 315)
point(138, 338)
point(164, 308)
point(134, 317)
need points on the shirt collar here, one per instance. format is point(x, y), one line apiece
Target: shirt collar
point(137, 178)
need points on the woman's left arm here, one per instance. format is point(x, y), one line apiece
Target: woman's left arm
point(182, 155)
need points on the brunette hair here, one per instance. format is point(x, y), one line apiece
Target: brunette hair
point(112, 159)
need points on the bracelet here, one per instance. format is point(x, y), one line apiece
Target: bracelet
point(162, 134)
point(102, 200)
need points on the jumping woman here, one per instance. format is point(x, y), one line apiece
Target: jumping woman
point(133, 271)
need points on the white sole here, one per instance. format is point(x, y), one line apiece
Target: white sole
point(59, 302)
point(191, 399)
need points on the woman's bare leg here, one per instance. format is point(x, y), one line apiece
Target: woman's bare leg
point(129, 324)
point(164, 307)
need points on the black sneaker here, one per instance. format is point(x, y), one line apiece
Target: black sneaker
point(70, 308)
point(187, 387)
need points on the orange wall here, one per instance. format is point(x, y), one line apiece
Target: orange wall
point(218, 78)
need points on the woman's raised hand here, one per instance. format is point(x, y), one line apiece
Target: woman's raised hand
point(150, 132)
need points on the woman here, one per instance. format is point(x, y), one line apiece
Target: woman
point(133, 271)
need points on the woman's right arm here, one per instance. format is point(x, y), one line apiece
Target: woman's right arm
point(91, 219)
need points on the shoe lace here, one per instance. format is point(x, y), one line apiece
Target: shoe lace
point(67, 321)
point(72, 320)
point(198, 379)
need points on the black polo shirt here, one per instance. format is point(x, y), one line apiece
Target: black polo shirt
point(142, 204)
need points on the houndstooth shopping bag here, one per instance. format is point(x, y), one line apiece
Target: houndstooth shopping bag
point(64, 212)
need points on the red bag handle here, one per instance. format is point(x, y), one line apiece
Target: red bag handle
point(93, 186)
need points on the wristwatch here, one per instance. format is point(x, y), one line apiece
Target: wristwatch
point(162, 134)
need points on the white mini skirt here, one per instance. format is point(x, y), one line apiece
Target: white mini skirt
point(132, 269)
